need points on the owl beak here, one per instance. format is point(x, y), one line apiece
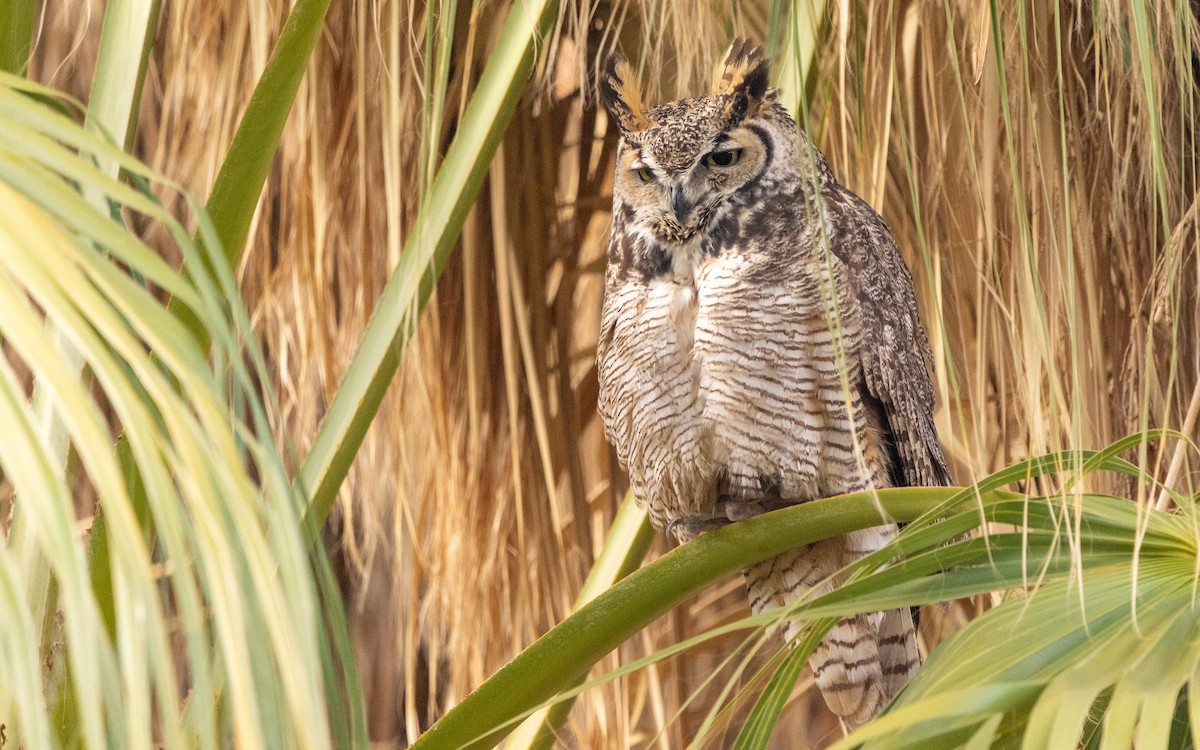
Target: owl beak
point(679, 203)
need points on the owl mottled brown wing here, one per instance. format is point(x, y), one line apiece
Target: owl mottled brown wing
point(895, 354)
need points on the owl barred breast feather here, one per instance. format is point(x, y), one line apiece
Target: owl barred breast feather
point(761, 347)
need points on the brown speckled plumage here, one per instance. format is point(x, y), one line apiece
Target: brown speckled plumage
point(761, 346)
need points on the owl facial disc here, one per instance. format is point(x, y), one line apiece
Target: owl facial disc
point(679, 162)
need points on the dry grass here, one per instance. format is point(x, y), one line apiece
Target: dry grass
point(1039, 170)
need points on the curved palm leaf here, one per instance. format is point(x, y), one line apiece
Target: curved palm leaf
point(1083, 559)
point(203, 571)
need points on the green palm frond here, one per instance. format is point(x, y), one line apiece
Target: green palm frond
point(202, 570)
point(1094, 569)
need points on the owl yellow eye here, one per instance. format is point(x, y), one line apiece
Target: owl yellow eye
point(644, 174)
point(723, 158)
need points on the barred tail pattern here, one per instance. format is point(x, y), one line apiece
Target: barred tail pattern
point(865, 659)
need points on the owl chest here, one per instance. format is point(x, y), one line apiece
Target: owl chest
point(650, 397)
point(716, 383)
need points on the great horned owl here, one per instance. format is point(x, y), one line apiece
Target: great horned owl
point(761, 346)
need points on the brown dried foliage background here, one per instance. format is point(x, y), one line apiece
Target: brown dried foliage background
point(1038, 168)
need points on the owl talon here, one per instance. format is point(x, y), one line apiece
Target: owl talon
point(687, 528)
point(739, 509)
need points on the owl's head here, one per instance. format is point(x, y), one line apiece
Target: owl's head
point(679, 163)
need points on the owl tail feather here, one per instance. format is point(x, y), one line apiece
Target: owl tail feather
point(865, 659)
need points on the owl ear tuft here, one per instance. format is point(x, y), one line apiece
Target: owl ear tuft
point(743, 78)
point(621, 93)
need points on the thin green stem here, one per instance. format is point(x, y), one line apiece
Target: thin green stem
point(16, 34)
point(424, 258)
point(628, 540)
point(239, 184)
